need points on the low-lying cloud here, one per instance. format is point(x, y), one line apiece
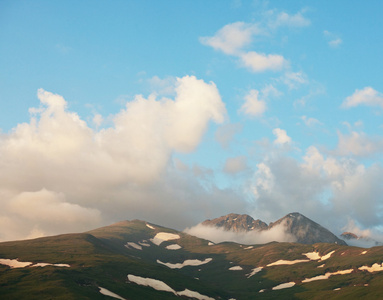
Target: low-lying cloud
point(218, 235)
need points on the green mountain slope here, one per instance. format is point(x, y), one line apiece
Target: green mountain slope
point(137, 260)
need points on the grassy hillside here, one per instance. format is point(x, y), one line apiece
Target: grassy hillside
point(105, 256)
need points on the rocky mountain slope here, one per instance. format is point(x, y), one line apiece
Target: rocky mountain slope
point(237, 223)
point(302, 228)
point(140, 260)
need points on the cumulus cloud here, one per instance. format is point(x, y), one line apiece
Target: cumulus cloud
point(330, 188)
point(281, 137)
point(231, 38)
point(260, 62)
point(253, 106)
point(367, 96)
point(60, 169)
point(218, 235)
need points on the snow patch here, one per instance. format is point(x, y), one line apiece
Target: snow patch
point(210, 244)
point(337, 289)
point(250, 247)
point(106, 292)
point(144, 243)
point(162, 286)
point(173, 247)
point(133, 245)
point(316, 256)
point(188, 262)
point(236, 268)
point(374, 268)
point(14, 263)
point(321, 266)
point(287, 262)
point(192, 294)
point(284, 286)
point(150, 226)
point(327, 275)
point(47, 264)
point(164, 236)
point(261, 291)
point(312, 255)
point(153, 283)
point(254, 271)
point(327, 256)
point(364, 252)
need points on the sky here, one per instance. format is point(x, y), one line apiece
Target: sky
point(175, 112)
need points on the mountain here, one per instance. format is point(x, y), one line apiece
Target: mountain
point(302, 228)
point(237, 223)
point(140, 260)
point(349, 236)
point(305, 230)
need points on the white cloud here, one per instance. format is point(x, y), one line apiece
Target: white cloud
point(259, 62)
point(281, 137)
point(367, 96)
point(218, 235)
point(68, 169)
point(253, 106)
point(47, 209)
point(235, 165)
point(285, 19)
point(231, 38)
point(98, 120)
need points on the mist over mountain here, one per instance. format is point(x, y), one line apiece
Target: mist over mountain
point(292, 227)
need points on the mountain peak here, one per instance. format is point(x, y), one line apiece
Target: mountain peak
point(305, 230)
point(302, 228)
point(236, 222)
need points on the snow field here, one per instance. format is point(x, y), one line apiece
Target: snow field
point(162, 286)
point(14, 263)
point(106, 292)
point(188, 262)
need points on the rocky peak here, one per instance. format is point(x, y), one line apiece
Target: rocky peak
point(237, 223)
point(305, 230)
point(349, 236)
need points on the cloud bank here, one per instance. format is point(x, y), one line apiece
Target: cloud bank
point(218, 235)
point(59, 174)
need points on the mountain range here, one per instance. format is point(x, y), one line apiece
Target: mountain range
point(140, 260)
point(304, 230)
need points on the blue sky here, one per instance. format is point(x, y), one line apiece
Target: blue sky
point(251, 107)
